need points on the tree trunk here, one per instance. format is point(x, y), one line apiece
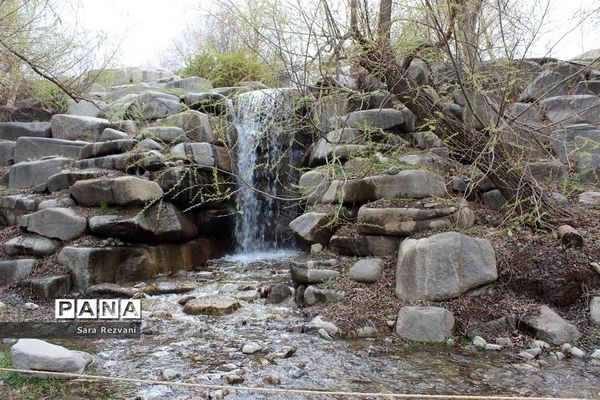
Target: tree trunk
point(385, 21)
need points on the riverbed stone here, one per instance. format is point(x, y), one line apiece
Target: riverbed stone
point(39, 355)
point(313, 228)
point(55, 223)
point(595, 310)
point(162, 222)
point(364, 245)
point(425, 324)
point(551, 327)
point(74, 127)
point(12, 271)
point(33, 173)
point(279, 293)
point(303, 275)
point(30, 245)
point(443, 266)
point(210, 306)
point(405, 221)
point(32, 148)
point(125, 190)
point(367, 270)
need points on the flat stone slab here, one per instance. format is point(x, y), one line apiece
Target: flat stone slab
point(65, 179)
point(125, 190)
point(364, 246)
point(425, 324)
point(109, 291)
point(30, 245)
point(12, 271)
point(551, 327)
point(49, 287)
point(55, 223)
point(211, 306)
point(168, 288)
point(74, 127)
point(43, 356)
point(402, 221)
point(35, 148)
point(15, 130)
point(305, 275)
point(33, 173)
point(101, 149)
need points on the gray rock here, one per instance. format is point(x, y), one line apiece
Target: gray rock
point(196, 125)
point(318, 323)
point(546, 170)
point(72, 127)
point(112, 134)
point(15, 130)
point(125, 190)
point(313, 228)
point(550, 327)
point(40, 355)
point(364, 246)
point(402, 120)
point(55, 223)
point(33, 173)
point(572, 109)
point(93, 265)
point(504, 342)
point(313, 185)
point(479, 109)
point(12, 271)
point(7, 152)
point(100, 149)
point(494, 199)
point(30, 245)
point(149, 144)
point(595, 310)
point(166, 134)
point(480, 342)
point(64, 202)
point(279, 293)
point(302, 275)
point(425, 324)
point(170, 374)
point(579, 144)
point(12, 207)
point(49, 287)
point(547, 84)
point(402, 221)
point(596, 354)
point(192, 84)
point(325, 151)
point(65, 179)
point(589, 198)
point(162, 222)
point(210, 306)
point(443, 266)
point(151, 105)
point(109, 291)
point(85, 108)
point(203, 154)
point(314, 295)
point(251, 348)
point(367, 270)
point(576, 352)
point(492, 347)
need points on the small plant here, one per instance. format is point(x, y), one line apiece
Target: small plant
point(104, 208)
point(328, 283)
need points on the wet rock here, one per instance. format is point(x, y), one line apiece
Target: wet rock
point(318, 323)
point(182, 301)
point(15, 130)
point(40, 355)
point(424, 324)
point(109, 291)
point(30, 245)
point(211, 306)
point(314, 295)
point(279, 293)
point(12, 207)
point(324, 334)
point(73, 127)
point(55, 223)
point(595, 310)
point(443, 266)
point(550, 327)
point(33, 173)
point(65, 179)
point(364, 245)
point(304, 275)
point(12, 271)
point(160, 288)
point(251, 348)
point(49, 287)
point(313, 228)
point(402, 221)
point(125, 190)
point(31, 148)
point(170, 374)
point(162, 222)
point(366, 271)
point(480, 342)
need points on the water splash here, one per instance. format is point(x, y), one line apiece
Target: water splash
point(264, 120)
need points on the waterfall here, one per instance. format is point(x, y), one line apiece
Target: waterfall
point(263, 153)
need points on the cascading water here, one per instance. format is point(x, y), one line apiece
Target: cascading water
point(264, 152)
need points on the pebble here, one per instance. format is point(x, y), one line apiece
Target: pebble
point(596, 354)
point(323, 333)
point(296, 372)
point(559, 355)
point(316, 248)
point(393, 171)
point(31, 306)
point(272, 380)
point(480, 342)
point(504, 342)
point(234, 379)
point(577, 352)
point(288, 352)
point(169, 374)
point(566, 347)
point(493, 347)
point(251, 348)
point(524, 355)
point(539, 344)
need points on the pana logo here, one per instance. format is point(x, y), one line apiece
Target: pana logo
point(98, 309)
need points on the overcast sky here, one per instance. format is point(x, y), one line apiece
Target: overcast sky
point(145, 28)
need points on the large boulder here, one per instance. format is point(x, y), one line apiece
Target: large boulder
point(73, 127)
point(443, 266)
point(33, 173)
point(551, 327)
point(15, 130)
point(579, 144)
point(191, 84)
point(162, 222)
point(152, 105)
point(572, 109)
point(547, 84)
point(93, 265)
point(313, 228)
point(196, 125)
point(34, 148)
point(403, 221)
point(12, 271)
point(35, 354)
point(12, 207)
point(386, 119)
point(425, 324)
point(125, 190)
point(30, 245)
point(55, 223)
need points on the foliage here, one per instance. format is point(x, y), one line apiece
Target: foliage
point(230, 68)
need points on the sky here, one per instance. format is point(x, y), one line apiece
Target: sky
point(145, 28)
